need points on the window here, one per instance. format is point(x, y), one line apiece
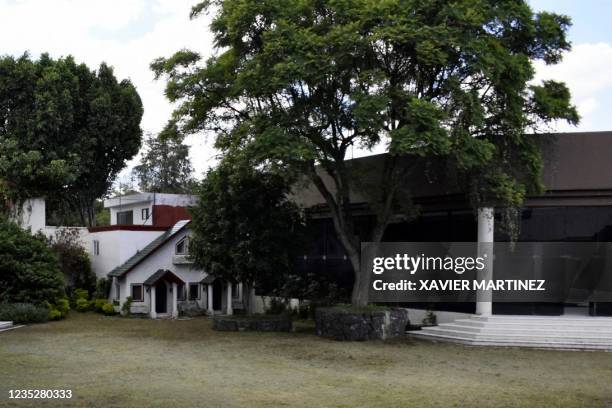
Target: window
point(125, 218)
point(180, 291)
point(137, 295)
point(145, 214)
point(194, 291)
point(182, 247)
point(235, 291)
point(96, 247)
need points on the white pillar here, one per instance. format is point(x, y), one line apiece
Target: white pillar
point(209, 299)
point(484, 303)
point(152, 311)
point(174, 300)
point(229, 298)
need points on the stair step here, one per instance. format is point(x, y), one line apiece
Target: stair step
point(551, 330)
point(551, 344)
point(512, 336)
point(5, 325)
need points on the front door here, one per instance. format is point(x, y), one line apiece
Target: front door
point(217, 294)
point(161, 302)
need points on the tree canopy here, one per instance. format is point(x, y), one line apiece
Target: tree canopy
point(298, 83)
point(245, 228)
point(165, 166)
point(65, 130)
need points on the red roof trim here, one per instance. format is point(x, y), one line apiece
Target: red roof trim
point(128, 228)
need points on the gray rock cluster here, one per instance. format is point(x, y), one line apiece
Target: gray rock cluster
point(347, 325)
point(259, 323)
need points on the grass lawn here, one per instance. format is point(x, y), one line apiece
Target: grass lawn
point(111, 361)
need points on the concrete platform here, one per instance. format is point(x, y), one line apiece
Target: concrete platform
point(556, 332)
point(6, 326)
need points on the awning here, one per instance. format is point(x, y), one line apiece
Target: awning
point(208, 280)
point(163, 274)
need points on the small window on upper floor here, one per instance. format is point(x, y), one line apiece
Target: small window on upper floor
point(182, 247)
point(145, 214)
point(96, 247)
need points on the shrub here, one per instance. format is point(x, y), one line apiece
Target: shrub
point(126, 307)
point(83, 305)
point(59, 309)
point(102, 288)
point(29, 270)
point(23, 313)
point(73, 260)
point(99, 304)
point(108, 309)
point(81, 294)
point(277, 306)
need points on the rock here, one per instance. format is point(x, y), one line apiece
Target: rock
point(272, 323)
point(346, 325)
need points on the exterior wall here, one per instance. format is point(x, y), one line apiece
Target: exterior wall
point(116, 247)
point(136, 209)
point(31, 215)
point(161, 259)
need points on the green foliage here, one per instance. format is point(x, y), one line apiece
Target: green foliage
point(165, 166)
point(23, 313)
point(244, 227)
point(29, 270)
point(66, 130)
point(81, 294)
point(74, 260)
point(83, 305)
point(98, 305)
point(297, 83)
point(108, 309)
point(103, 286)
point(59, 309)
point(126, 306)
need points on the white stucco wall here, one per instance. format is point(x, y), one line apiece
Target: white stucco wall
point(161, 259)
point(31, 215)
point(116, 247)
point(136, 209)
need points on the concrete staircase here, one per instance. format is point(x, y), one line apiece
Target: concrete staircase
point(6, 326)
point(559, 332)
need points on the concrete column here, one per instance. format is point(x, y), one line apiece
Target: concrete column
point(484, 298)
point(209, 299)
point(152, 311)
point(229, 299)
point(174, 300)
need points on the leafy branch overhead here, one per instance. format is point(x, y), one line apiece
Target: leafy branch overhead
point(295, 84)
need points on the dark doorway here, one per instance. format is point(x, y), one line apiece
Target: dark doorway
point(217, 294)
point(161, 298)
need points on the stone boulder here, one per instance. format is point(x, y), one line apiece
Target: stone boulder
point(347, 324)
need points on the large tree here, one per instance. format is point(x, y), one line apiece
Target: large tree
point(65, 130)
point(298, 83)
point(245, 227)
point(165, 166)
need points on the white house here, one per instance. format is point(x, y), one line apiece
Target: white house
point(144, 251)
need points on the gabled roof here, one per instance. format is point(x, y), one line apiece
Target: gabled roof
point(148, 250)
point(162, 274)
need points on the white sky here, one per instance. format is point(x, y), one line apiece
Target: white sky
point(129, 34)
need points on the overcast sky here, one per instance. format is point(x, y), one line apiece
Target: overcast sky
point(129, 34)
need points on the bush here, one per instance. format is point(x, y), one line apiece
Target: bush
point(126, 307)
point(29, 270)
point(23, 313)
point(108, 309)
point(73, 260)
point(81, 294)
point(102, 288)
point(83, 305)
point(59, 309)
point(277, 306)
point(98, 304)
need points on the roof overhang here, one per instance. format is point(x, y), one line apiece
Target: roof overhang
point(162, 274)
